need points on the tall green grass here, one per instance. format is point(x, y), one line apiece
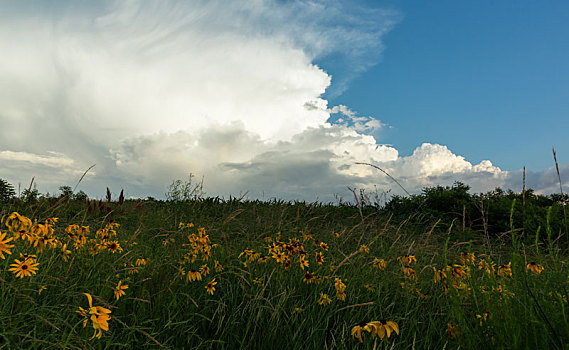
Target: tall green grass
point(161, 309)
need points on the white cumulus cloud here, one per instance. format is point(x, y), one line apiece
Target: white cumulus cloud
point(150, 91)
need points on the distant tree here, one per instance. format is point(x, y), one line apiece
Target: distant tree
point(7, 191)
point(560, 198)
point(80, 196)
point(65, 191)
point(30, 196)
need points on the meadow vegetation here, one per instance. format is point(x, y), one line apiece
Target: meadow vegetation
point(441, 269)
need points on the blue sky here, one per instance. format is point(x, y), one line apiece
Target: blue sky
point(488, 79)
point(282, 99)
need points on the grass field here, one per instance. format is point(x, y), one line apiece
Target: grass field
point(271, 275)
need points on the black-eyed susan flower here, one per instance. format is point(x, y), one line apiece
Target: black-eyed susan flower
point(467, 258)
point(24, 268)
point(204, 270)
point(28, 256)
point(381, 328)
point(65, 253)
point(409, 273)
point(16, 222)
point(505, 270)
point(193, 275)
point(43, 241)
point(439, 275)
point(339, 285)
point(324, 299)
point(459, 271)
point(488, 267)
point(335, 234)
point(369, 287)
point(279, 256)
point(113, 246)
point(308, 277)
point(119, 290)
point(323, 246)
point(482, 318)
point(319, 258)
point(4, 247)
point(535, 268)
point(141, 262)
point(357, 331)
point(364, 249)
point(218, 266)
point(303, 262)
point(210, 286)
point(379, 263)
point(407, 259)
point(452, 331)
point(340, 289)
point(42, 288)
point(98, 315)
point(24, 235)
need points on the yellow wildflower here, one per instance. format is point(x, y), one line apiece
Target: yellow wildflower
point(119, 290)
point(193, 275)
point(5, 248)
point(65, 253)
point(369, 287)
point(535, 268)
point(379, 263)
point(409, 273)
point(451, 331)
point(467, 258)
point(24, 268)
point(357, 331)
point(210, 286)
point(505, 270)
point(319, 258)
point(308, 277)
point(204, 270)
point(407, 259)
point(324, 299)
point(303, 262)
point(439, 275)
point(98, 315)
point(218, 267)
point(382, 328)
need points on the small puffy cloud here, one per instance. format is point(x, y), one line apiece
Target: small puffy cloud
point(361, 124)
point(345, 110)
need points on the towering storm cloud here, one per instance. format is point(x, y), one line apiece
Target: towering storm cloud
point(228, 91)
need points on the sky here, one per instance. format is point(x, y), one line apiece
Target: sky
point(282, 99)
